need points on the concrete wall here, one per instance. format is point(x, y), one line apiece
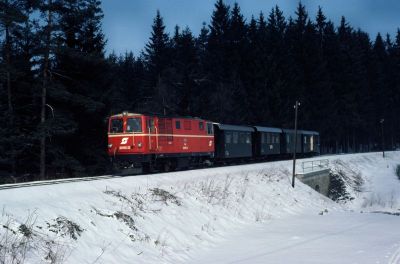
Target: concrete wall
point(318, 180)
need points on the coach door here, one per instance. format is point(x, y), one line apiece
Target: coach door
point(152, 134)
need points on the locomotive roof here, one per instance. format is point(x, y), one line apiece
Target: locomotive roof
point(234, 128)
point(158, 115)
point(127, 114)
point(268, 129)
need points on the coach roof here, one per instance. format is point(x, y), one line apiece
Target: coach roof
point(234, 128)
point(268, 129)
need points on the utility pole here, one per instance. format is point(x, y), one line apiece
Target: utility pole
point(383, 138)
point(296, 106)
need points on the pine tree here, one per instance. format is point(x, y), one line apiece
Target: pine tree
point(157, 60)
point(157, 49)
point(218, 42)
point(82, 76)
point(321, 24)
point(15, 66)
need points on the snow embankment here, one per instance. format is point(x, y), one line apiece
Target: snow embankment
point(170, 217)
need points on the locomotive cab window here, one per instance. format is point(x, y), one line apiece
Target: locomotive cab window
point(178, 124)
point(134, 124)
point(201, 125)
point(116, 125)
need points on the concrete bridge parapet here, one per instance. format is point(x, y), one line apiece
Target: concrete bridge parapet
point(316, 174)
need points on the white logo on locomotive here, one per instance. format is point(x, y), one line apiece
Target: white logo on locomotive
point(124, 141)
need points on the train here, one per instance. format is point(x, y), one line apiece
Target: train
point(141, 142)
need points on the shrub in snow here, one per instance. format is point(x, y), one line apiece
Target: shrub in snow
point(398, 171)
point(337, 188)
point(22, 241)
point(65, 227)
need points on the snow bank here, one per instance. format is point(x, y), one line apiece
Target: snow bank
point(169, 217)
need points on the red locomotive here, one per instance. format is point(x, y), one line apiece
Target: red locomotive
point(142, 142)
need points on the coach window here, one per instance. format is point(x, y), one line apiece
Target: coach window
point(228, 137)
point(116, 125)
point(209, 129)
point(262, 138)
point(134, 124)
point(241, 138)
point(178, 124)
point(248, 140)
point(201, 125)
point(235, 137)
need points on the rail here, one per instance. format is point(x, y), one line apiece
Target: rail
point(52, 182)
point(315, 165)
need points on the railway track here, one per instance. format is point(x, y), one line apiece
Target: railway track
point(120, 174)
point(52, 182)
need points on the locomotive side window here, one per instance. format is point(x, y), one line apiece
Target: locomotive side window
point(134, 124)
point(187, 125)
point(150, 125)
point(116, 125)
point(209, 129)
point(178, 124)
point(201, 125)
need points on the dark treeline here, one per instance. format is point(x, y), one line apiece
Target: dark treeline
point(57, 86)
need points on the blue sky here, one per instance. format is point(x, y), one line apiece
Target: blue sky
point(127, 23)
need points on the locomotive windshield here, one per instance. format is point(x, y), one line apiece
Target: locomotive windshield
point(134, 124)
point(116, 125)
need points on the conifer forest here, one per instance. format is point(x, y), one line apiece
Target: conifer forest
point(58, 83)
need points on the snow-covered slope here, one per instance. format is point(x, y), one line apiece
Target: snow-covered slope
point(177, 217)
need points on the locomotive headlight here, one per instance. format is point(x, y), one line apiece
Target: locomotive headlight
point(139, 144)
point(110, 145)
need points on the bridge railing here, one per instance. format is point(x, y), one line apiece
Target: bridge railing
point(315, 165)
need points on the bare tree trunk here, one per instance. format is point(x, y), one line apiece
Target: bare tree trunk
point(44, 93)
point(9, 92)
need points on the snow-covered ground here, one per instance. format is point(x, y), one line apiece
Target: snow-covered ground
point(236, 214)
